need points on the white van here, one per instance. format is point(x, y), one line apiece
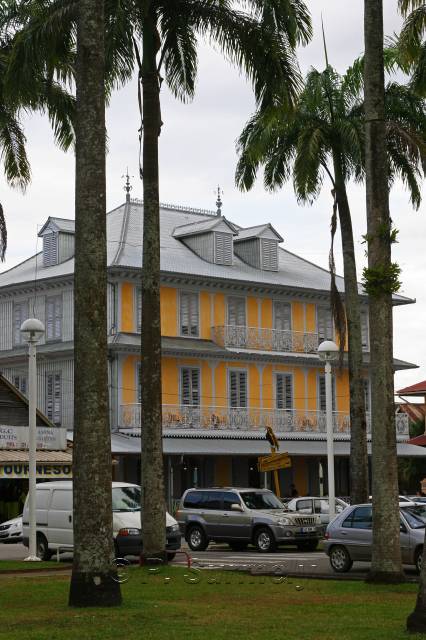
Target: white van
point(55, 528)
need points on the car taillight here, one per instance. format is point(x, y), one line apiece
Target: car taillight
point(326, 535)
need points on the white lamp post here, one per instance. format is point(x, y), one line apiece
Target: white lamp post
point(327, 352)
point(32, 330)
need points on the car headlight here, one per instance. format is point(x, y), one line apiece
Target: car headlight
point(129, 532)
point(15, 526)
point(174, 528)
point(284, 522)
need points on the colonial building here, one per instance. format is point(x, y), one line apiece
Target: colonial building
point(241, 320)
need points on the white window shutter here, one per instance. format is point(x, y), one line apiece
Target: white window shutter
point(238, 388)
point(325, 324)
point(54, 397)
point(269, 254)
point(284, 391)
point(223, 248)
point(365, 330)
point(138, 309)
point(282, 316)
point(321, 391)
point(189, 316)
point(190, 386)
point(237, 312)
point(50, 249)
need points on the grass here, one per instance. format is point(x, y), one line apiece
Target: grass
point(216, 606)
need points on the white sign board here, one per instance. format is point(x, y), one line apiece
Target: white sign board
point(50, 438)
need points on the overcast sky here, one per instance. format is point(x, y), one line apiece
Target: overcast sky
point(197, 152)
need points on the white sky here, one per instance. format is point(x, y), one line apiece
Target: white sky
point(197, 151)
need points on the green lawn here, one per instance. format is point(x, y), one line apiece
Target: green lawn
point(20, 565)
point(215, 607)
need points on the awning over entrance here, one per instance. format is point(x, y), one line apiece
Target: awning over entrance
point(53, 465)
point(122, 444)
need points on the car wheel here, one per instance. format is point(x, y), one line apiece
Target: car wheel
point(340, 559)
point(418, 560)
point(43, 551)
point(197, 540)
point(238, 546)
point(264, 540)
point(308, 546)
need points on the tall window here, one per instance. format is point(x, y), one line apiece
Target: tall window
point(238, 388)
point(237, 312)
point(20, 313)
point(54, 397)
point(190, 386)
point(325, 324)
point(366, 382)
point(365, 330)
point(189, 315)
point(282, 315)
point(20, 383)
point(138, 307)
point(321, 393)
point(223, 248)
point(54, 318)
point(284, 391)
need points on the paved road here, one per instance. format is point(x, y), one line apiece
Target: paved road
point(220, 556)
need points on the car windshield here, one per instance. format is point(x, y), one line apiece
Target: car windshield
point(126, 499)
point(261, 500)
point(415, 516)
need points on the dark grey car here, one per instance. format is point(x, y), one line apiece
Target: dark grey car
point(241, 517)
point(349, 536)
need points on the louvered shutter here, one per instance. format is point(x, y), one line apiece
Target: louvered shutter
point(269, 254)
point(189, 317)
point(237, 312)
point(54, 397)
point(20, 313)
point(284, 391)
point(223, 248)
point(364, 330)
point(321, 393)
point(366, 383)
point(50, 312)
point(139, 382)
point(282, 316)
point(50, 249)
point(238, 388)
point(190, 386)
point(138, 310)
point(325, 324)
point(58, 317)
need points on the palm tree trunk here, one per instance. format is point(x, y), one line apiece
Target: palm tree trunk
point(93, 580)
point(386, 554)
point(152, 480)
point(358, 453)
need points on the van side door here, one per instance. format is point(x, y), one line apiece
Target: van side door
point(60, 521)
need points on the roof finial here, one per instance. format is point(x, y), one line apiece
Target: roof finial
point(127, 187)
point(219, 201)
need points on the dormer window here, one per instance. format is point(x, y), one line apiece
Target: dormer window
point(58, 241)
point(50, 249)
point(211, 239)
point(258, 247)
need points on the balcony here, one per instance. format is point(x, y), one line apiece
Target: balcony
point(249, 419)
point(258, 338)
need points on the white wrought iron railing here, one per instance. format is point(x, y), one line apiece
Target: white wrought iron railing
point(260, 338)
point(249, 419)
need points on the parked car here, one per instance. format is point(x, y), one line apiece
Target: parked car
point(54, 520)
point(418, 499)
point(315, 505)
point(349, 536)
point(11, 531)
point(241, 517)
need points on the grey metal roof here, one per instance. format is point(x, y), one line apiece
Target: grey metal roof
point(256, 232)
point(59, 224)
point(124, 236)
point(194, 228)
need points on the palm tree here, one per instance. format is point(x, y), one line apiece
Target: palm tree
point(260, 39)
point(39, 95)
point(381, 280)
point(410, 46)
point(325, 138)
point(92, 580)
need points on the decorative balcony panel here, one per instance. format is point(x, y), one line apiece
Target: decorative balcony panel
point(249, 419)
point(258, 338)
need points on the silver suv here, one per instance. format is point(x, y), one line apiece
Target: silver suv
point(241, 517)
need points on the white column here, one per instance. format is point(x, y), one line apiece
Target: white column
point(32, 455)
point(330, 441)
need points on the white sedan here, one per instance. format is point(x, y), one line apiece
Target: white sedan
point(11, 531)
point(316, 505)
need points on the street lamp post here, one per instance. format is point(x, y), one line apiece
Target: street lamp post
point(32, 330)
point(327, 352)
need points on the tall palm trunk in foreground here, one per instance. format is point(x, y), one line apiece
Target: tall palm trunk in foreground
point(358, 452)
point(380, 281)
point(92, 580)
point(153, 498)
